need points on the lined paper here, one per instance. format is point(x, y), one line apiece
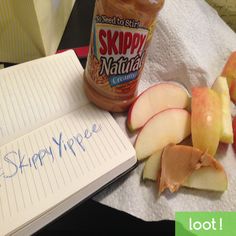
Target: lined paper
point(55, 147)
point(35, 93)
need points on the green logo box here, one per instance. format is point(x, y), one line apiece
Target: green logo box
point(205, 224)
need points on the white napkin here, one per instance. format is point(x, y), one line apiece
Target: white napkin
point(191, 45)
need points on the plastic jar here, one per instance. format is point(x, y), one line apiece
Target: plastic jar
point(121, 33)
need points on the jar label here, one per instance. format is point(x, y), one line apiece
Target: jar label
point(120, 51)
point(117, 54)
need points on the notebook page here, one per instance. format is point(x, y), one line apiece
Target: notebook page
point(36, 92)
point(45, 167)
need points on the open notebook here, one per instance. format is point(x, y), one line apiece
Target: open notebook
point(56, 148)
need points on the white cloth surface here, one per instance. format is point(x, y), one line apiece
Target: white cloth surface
point(190, 45)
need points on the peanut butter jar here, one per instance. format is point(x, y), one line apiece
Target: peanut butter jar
point(121, 33)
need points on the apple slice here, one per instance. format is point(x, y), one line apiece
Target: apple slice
point(205, 178)
point(221, 87)
point(169, 126)
point(154, 100)
point(229, 72)
point(185, 165)
point(152, 166)
point(208, 178)
point(206, 119)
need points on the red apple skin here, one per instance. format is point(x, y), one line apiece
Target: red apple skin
point(229, 72)
point(234, 129)
point(232, 91)
point(206, 119)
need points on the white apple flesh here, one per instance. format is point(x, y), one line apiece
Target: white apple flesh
point(221, 87)
point(152, 166)
point(208, 178)
point(169, 126)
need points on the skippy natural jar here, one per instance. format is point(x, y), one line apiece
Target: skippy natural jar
point(121, 33)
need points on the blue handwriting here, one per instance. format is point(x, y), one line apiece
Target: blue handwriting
point(18, 162)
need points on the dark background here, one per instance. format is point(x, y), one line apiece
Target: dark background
point(92, 217)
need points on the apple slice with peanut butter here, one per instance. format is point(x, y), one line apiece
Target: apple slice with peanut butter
point(180, 166)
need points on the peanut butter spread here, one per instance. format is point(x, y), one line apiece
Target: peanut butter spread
point(179, 162)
